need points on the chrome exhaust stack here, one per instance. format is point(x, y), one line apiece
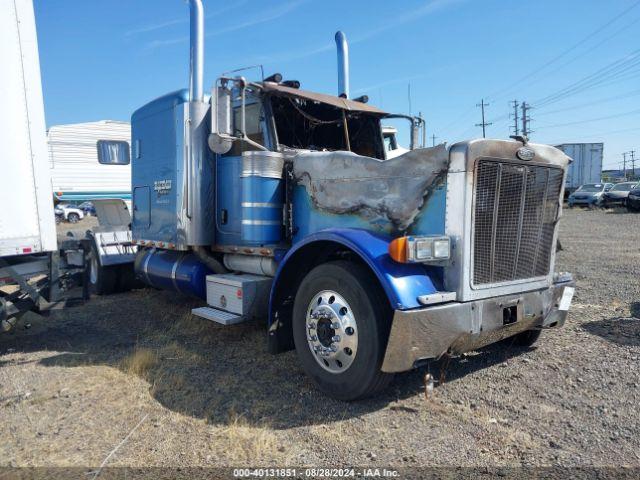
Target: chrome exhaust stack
point(343, 64)
point(196, 52)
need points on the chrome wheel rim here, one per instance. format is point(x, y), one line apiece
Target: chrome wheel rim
point(332, 332)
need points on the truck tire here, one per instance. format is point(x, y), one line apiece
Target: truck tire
point(341, 323)
point(73, 218)
point(526, 338)
point(102, 279)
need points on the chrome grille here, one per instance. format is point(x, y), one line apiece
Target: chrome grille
point(515, 212)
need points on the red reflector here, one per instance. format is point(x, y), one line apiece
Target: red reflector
point(239, 293)
point(26, 250)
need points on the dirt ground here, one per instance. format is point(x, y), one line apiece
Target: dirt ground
point(134, 380)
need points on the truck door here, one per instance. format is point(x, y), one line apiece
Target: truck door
point(142, 208)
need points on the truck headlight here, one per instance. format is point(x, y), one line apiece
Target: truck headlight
point(420, 249)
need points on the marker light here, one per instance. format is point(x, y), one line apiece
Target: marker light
point(420, 249)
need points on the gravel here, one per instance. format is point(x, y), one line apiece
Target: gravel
point(74, 385)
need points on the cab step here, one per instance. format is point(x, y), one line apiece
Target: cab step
point(219, 316)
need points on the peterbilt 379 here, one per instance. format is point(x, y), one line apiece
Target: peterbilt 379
point(268, 200)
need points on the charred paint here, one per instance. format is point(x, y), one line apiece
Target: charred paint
point(384, 195)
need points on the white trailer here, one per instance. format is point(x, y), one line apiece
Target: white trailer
point(34, 269)
point(586, 166)
point(27, 222)
point(80, 170)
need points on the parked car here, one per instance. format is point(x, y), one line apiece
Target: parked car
point(589, 194)
point(633, 200)
point(618, 194)
point(88, 208)
point(69, 213)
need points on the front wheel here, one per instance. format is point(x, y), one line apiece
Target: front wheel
point(341, 326)
point(73, 218)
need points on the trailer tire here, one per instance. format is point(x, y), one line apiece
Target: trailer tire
point(102, 279)
point(346, 294)
point(526, 338)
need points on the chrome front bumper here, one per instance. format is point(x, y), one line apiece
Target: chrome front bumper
point(456, 327)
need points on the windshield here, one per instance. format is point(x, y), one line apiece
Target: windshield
point(623, 187)
point(592, 187)
point(304, 124)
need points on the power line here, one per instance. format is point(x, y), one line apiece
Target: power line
point(484, 123)
point(616, 77)
point(580, 122)
point(589, 104)
point(586, 52)
point(495, 95)
point(610, 71)
point(591, 135)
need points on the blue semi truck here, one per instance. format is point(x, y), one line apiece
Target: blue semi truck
point(269, 201)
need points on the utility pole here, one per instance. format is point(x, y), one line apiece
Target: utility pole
point(433, 140)
point(484, 124)
point(633, 164)
point(516, 130)
point(526, 131)
point(624, 165)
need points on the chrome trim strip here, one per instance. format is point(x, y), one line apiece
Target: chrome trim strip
point(261, 222)
point(145, 267)
point(261, 205)
point(174, 269)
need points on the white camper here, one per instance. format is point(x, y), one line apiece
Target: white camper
point(90, 161)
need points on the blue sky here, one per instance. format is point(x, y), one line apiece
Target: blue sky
point(576, 61)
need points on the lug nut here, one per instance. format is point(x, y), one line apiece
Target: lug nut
point(335, 338)
point(313, 338)
point(335, 325)
point(311, 326)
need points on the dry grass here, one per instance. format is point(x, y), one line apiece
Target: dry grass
point(140, 362)
point(242, 441)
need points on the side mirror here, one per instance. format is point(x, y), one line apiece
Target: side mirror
point(221, 136)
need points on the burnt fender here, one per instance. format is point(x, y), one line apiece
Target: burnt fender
point(402, 283)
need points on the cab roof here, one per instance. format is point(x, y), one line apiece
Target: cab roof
point(338, 102)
